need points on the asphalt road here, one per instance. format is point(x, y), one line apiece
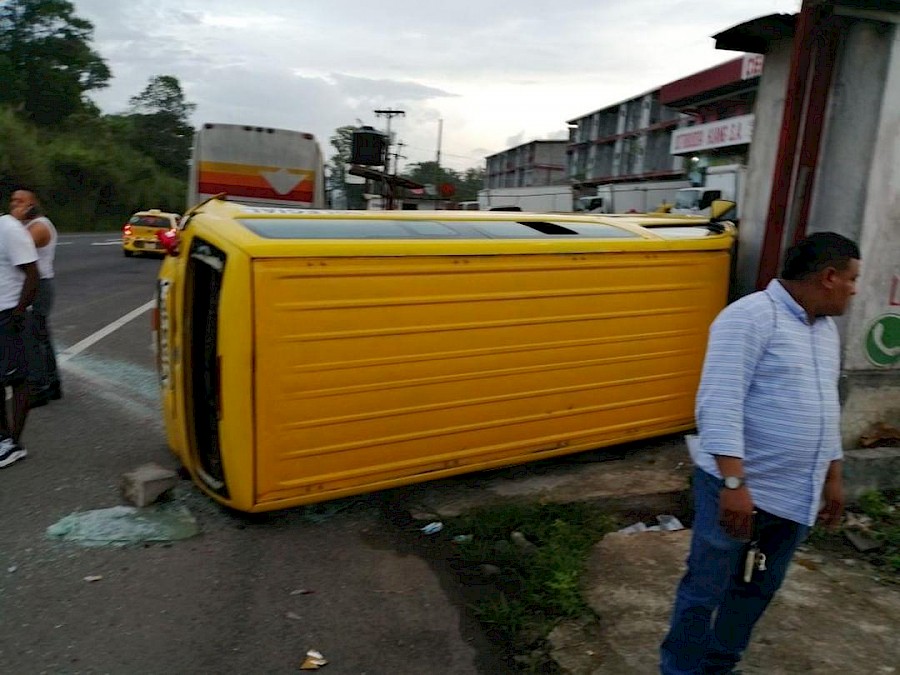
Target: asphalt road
point(224, 601)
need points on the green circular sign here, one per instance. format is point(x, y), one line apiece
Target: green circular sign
point(883, 341)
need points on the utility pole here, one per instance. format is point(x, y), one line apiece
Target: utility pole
point(388, 191)
point(392, 187)
point(397, 156)
point(437, 160)
point(440, 132)
point(389, 114)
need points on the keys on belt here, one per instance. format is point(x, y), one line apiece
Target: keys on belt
point(755, 560)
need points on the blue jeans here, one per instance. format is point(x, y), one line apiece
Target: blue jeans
point(715, 610)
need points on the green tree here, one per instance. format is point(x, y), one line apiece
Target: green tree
point(46, 62)
point(160, 125)
point(88, 177)
point(472, 181)
point(431, 173)
point(465, 185)
point(21, 160)
point(341, 141)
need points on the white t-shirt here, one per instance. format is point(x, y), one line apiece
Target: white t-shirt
point(16, 248)
point(46, 254)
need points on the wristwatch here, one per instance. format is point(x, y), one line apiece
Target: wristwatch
point(733, 482)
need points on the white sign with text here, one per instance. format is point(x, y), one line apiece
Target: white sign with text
point(718, 134)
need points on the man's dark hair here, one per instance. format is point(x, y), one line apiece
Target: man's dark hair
point(817, 252)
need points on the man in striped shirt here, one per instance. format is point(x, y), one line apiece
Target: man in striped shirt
point(768, 455)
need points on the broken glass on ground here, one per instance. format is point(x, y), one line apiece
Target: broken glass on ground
point(667, 523)
point(126, 525)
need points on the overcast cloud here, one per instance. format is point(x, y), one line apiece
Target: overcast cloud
point(498, 73)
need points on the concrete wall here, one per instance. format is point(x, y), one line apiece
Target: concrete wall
point(851, 130)
point(760, 165)
point(872, 390)
point(857, 193)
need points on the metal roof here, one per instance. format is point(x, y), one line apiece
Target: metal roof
point(756, 35)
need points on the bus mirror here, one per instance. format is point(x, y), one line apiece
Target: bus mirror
point(719, 208)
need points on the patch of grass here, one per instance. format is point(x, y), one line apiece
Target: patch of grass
point(874, 504)
point(883, 509)
point(537, 582)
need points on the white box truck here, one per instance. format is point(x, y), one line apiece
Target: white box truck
point(537, 199)
point(721, 182)
point(641, 197)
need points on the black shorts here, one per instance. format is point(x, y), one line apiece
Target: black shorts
point(12, 350)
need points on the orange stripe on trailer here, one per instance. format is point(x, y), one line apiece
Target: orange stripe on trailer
point(284, 184)
point(249, 169)
point(233, 179)
point(301, 194)
point(253, 182)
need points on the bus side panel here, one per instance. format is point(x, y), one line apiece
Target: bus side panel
point(385, 371)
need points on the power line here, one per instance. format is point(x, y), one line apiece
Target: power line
point(427, 158)
point(447, 154)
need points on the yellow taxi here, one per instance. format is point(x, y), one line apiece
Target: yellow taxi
point(139, 235)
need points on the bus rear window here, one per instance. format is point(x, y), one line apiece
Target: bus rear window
point(150, 221)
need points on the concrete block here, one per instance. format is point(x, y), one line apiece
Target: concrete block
point(147, 483)
point(871, 469)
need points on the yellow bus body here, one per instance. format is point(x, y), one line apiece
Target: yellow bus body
point(295, 370)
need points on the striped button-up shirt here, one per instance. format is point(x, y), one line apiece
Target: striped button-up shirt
point(769, 395)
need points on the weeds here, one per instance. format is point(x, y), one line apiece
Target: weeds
point(882, 523)
point(537, 581)
point(884, 510)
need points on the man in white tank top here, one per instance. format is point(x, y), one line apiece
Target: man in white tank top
point(43, 375)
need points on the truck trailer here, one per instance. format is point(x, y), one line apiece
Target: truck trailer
point(257, 165)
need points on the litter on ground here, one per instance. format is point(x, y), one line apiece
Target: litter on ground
point(314, 660)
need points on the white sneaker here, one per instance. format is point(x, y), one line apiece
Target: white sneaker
point(11, 452)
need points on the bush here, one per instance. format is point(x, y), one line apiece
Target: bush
point(21, 160)
point(88, 177)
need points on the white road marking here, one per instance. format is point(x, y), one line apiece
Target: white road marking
point(115, 242)
point(92, 339)
point(64, 243)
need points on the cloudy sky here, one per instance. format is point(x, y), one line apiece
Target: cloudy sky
point(497, 72)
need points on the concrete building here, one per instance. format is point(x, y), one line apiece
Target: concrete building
point(642, 151)
point(824, 157)
point(531, 164)
point(624, 142)
point(717, 115)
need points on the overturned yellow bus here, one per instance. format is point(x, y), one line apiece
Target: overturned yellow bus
point(311, 355)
